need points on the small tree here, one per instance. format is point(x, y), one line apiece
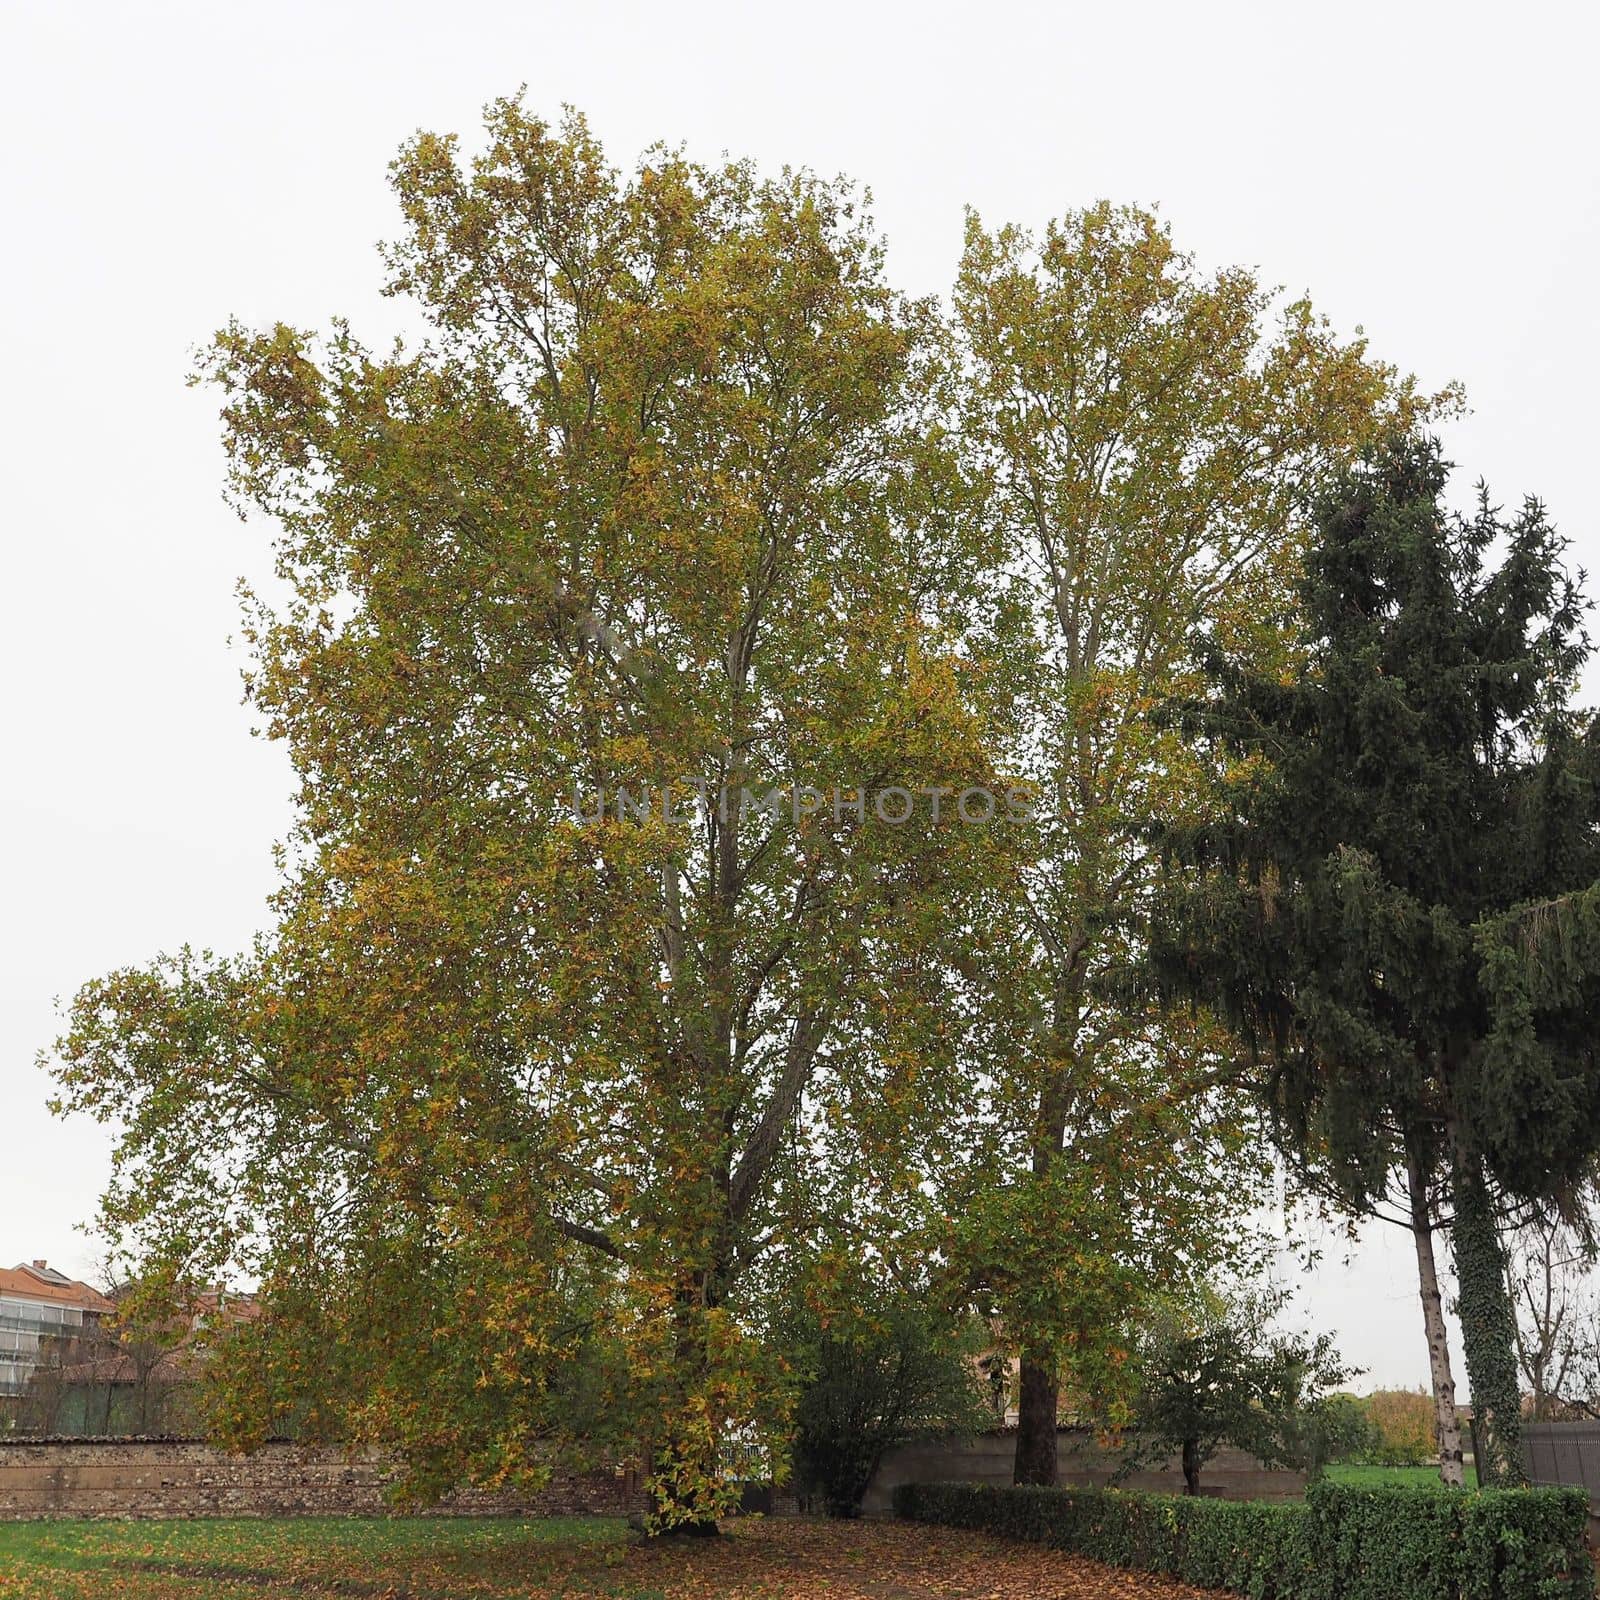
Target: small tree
point(1220, 1375)
point(875, 1379)
point(1579, 1393)
point(1340, 1429)
point(1549, 1263)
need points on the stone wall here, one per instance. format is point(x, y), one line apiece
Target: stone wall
point(1081, 1462)
point(184, 1478)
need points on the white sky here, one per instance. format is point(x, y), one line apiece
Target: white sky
point(1427, 171)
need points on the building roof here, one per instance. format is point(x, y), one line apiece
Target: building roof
point(227, 1305)
point(38, 1280)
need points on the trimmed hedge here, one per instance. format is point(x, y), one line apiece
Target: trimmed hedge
point(1440, 1544)
point(1401, 1543)
point(1255, 1547)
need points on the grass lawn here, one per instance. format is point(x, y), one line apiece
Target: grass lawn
point(1377, 1477)
point(785, 1558)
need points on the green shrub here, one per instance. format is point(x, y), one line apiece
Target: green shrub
point(879, 1374)
point(1341, 1543)
point(1253, 1547)
point(1519, 1542)
point(1337, 1429)
point(1386, 1542)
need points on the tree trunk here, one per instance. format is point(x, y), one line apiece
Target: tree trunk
point(1488, 1330)
point(1446, 1424)
point(1038, 1402)
point(685, 1460)
point(1191, 1466)
point(1036, 1421)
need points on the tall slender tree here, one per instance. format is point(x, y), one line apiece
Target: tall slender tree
point(1413, 779)
point(1138, 434)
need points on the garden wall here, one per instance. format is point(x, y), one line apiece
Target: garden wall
point(1082, 1463)
point(1568, 1454)
point(184, 1478)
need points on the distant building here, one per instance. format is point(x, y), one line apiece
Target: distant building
point(39, 1306)
point(137, 1378)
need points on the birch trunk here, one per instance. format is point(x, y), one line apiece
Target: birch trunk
point(1446, 1424)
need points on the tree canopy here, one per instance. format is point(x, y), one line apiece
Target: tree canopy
point(719, 689)
point(596, 970)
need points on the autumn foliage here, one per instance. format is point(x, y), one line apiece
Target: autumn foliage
point(530, 1105)
point(1403, 1419)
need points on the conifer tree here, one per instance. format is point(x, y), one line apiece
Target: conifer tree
point(1395, 802)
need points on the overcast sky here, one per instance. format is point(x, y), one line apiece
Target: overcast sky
point(1426, 172)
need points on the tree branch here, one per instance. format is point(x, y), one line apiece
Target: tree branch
point(810, 1029)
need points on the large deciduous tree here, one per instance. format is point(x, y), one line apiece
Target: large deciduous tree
point(529, 1073)
point(1357, 909)
point(1138, 437)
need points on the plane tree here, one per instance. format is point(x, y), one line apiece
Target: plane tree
point(612, 608)
point(1138, 436)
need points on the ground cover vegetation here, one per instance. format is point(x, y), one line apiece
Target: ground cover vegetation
point(445, 1559)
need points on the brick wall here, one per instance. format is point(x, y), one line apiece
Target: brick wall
point(184, 1478)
